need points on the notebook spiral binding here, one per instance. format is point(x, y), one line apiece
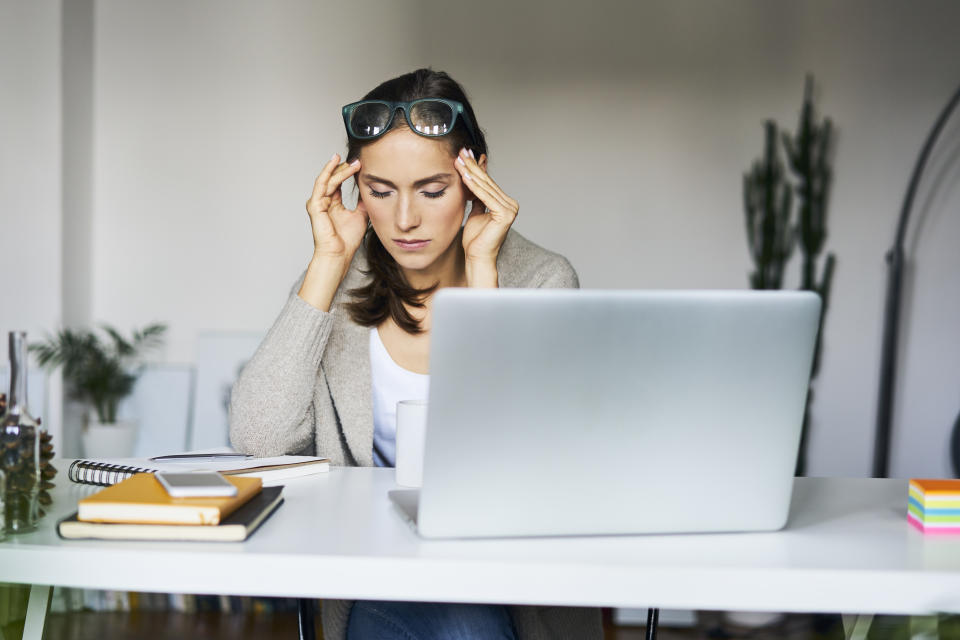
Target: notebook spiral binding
point(101, 473)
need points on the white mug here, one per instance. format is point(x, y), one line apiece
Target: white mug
point(411, 434)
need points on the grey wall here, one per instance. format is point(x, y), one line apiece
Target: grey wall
point(622, 128)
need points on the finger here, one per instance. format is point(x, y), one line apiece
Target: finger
point(337, 207)
point(478, 171)
point(362, 210)
point(317, 204)
point(510, 202)
point(322, 226)
point(483, 191)
point(340, 176)
point(320, 184)
point(474, 172)
point(486, 196)
point(477, 208)
point(473, 178)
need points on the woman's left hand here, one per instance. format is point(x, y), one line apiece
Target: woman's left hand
point(490, 218)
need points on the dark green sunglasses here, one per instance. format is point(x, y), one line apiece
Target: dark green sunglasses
point(430, 117)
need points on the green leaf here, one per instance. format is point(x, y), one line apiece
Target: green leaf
point(123, 347)
point(98, 373)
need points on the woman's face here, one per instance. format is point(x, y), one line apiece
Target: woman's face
point(415, 199)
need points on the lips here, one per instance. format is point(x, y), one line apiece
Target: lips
point(410, 245)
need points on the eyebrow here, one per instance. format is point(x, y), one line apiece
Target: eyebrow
point(437, 177)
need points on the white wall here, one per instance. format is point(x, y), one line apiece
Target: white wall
point(646, 192)
point(212, 121)
point(30, 182)
point(622, 128)
point(29, 164)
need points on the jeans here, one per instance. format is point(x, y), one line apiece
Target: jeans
point(371, 620)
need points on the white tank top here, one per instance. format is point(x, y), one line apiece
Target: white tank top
point(391, 383)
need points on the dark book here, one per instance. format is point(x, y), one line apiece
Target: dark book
point(234, 528)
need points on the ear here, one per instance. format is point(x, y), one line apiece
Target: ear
point(482, 161)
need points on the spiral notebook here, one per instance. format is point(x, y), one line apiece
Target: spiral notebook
point(108, 471)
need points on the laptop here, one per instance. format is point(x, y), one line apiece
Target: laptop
point(588, 412)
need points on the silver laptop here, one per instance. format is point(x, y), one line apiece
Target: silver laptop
point(573, 412)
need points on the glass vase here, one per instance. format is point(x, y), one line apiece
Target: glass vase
point(19, 446)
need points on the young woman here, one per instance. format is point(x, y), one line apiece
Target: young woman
point(353, 337)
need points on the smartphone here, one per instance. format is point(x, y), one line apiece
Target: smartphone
point(195, 484)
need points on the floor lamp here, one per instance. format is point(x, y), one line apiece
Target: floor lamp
point(891, 319)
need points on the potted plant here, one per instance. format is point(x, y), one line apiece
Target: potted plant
point(100, 373)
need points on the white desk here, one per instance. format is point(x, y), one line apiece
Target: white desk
point(847, 548)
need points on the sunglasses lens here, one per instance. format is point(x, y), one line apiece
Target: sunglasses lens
point(369, 120)
point(431, 117)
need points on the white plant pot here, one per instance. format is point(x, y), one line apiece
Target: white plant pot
point(113, 440)
point(752, 619)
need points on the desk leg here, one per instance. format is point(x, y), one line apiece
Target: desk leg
point(856, 626)
point(653, 619)
point(37, 608)
point(305, 619)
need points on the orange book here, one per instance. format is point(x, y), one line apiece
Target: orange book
point(141, 499)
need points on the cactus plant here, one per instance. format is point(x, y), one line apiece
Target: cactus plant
point(768, 202)
point(771, 232)
point(809, 154)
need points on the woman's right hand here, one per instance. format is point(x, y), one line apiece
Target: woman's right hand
point(337, 231)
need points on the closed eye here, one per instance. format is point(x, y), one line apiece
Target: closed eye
point(379, 194)
point(435, 194)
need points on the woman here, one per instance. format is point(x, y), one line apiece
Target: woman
point(353, 337)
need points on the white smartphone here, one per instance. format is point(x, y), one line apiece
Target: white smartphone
point(195, 484)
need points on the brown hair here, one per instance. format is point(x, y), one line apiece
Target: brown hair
point(388, 293)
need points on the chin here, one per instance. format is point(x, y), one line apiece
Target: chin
point(415, 262)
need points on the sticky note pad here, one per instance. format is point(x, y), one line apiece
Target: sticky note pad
point(933, 505)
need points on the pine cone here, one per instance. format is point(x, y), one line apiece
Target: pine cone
point(47, 470)
point(17, 467)
point(15, 454)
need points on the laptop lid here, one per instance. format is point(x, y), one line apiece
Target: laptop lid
point(556, 412)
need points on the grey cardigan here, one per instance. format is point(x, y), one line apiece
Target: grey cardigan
point(307, 389)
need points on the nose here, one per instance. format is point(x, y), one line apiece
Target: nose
point(406, 216)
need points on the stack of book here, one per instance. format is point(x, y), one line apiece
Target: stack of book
point(139, 508)
point(934, 506)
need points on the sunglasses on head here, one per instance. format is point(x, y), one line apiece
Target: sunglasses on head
point(430, 117)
